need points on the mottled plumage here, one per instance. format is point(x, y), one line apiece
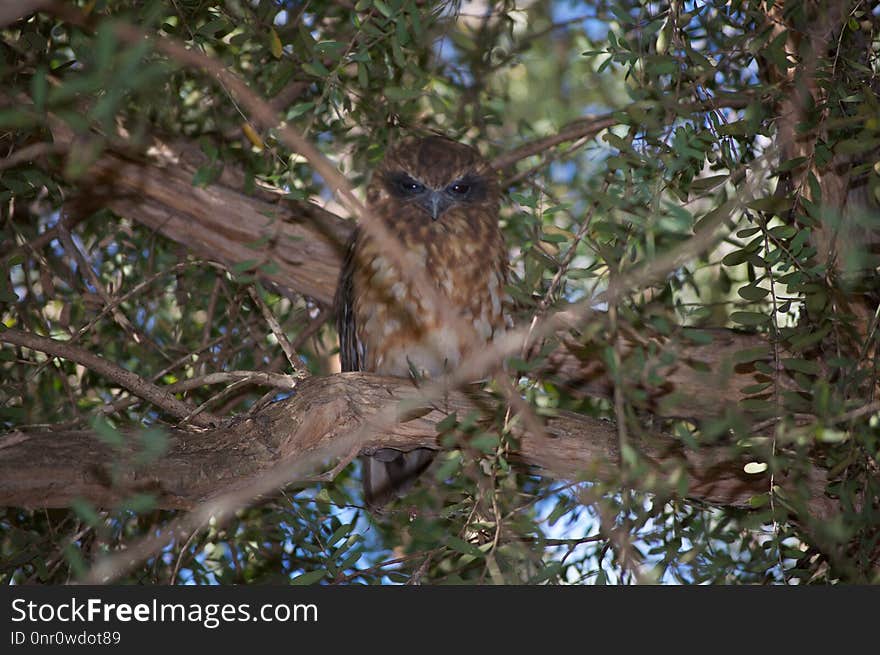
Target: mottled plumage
point(440, 198)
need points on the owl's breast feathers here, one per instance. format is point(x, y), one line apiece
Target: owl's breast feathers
point(399, 328)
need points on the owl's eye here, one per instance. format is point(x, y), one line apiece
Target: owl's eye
point(459, 189)
point(409, 186)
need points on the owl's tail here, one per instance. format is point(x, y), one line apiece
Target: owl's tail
point(389, 474)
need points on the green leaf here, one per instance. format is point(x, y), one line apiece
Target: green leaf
point(447, 423)
point(86, 512)
point(341, 531)
point(700, 337)
point(464, 547)
point(551, 571)
point(139, 503)
point(751, 354)
point(554, 238)
point(299, 109)
point(827, 435)
point(449, 467)
point(275, 46)
point(750, 319)
point(753, 389)
point(759, 500)
point(802, 366)
point(397, 52)
point(246, 265)
point(486, 443)
point(736, 257)
point(316, 69)
point(791, 164)
point(17, 118)
point(383, 8)
point(737, 128)
point(757, 405)
point(76, 560)
point(772, 204)
point(215, 29)
point(106, 45)
point(855, 146)
point(154, 444)
point(753, 292)
point(520, 365)
point(39, 88)
point(402, 94)
point(105, 432)
point(529, 201)
point(333, 49)
point(270, 268)
point(703, 184)
point(783, 231)
point(205, 175)
point(629, 456)
point(309, 578)
point(803, 341)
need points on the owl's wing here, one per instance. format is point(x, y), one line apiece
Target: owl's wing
point(350, 350)
point(388, 473)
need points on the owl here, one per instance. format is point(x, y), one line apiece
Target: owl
point(440, 198)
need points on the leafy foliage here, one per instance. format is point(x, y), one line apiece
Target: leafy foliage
point(757, 117)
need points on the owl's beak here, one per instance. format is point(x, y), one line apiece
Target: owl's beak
point(435, 203)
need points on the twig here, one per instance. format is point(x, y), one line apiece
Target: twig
point(31, 152)
point(209, 318)
point(299, 366)
point(89, 276)
point(276, 380)
point(585, 127)
point(214, 399)
point(183, 551)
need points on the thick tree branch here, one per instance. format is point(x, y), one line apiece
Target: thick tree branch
point(218, 221)
point(50, 469)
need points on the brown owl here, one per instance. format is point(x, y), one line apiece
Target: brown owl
point(440, 199)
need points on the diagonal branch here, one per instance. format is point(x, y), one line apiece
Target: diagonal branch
point(582, 128)
point(134, 383)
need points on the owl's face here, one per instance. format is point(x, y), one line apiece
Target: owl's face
point(435, 179)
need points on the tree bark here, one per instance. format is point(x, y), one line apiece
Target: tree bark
point(51, 469)
point(812, 43)
point(218, 222)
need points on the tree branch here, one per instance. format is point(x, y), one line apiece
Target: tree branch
point(583, 128)
point(218, 221)
point(134, 383)
point(50, 469)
